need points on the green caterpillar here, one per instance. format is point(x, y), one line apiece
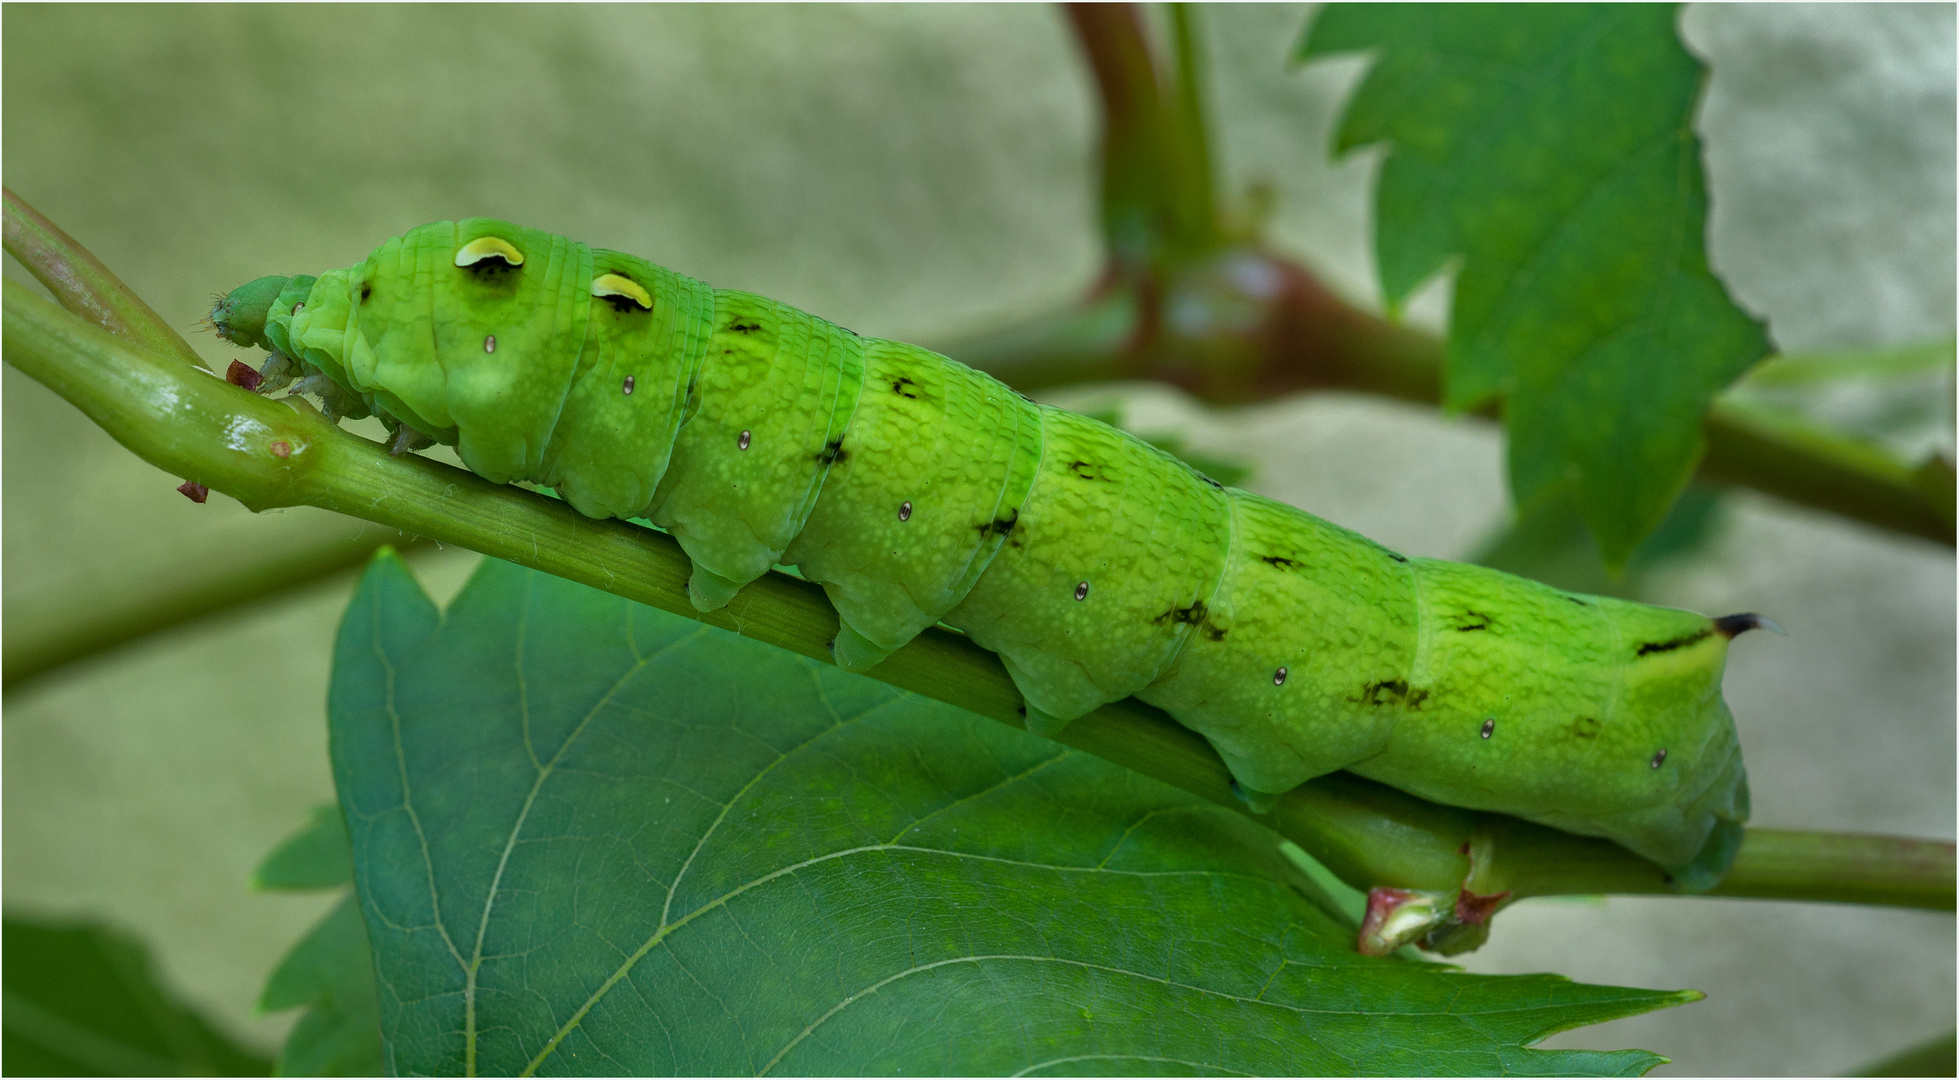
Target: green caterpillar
point(916, 491)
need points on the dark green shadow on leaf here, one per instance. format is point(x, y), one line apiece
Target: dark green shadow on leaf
point(84, 1000)
point(592, 837)
point(1549, 149)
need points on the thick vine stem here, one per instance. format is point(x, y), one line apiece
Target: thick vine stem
point(268, 453)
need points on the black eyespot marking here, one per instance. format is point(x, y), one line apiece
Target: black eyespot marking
point(1000, 526)
point(833, 452)
point(741, 327)
point(1659, 758)
point(1586, 727)
point(1681, 642)
point(1489, 727)
point(898, 388)
point(1193, 614)
point(1280, 562)
point(491, 269)
point(1397, 557)
point(1385, 692)
point(1473, 620)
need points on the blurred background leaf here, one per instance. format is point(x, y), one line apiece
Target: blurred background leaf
point(83, 1000)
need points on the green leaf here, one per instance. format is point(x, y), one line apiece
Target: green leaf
point(83, 1000)
point(592, 837)
point(315, 857)
point(1550, 149)
point(331, 971)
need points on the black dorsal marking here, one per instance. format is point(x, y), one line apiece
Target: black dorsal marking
point(1385, 692)
point(833, 452)
point(1681, 642)
point(1193, 614)
point(1085, 470)
point(1000, 526)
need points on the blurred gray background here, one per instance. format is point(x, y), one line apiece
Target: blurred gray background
point(923, 172)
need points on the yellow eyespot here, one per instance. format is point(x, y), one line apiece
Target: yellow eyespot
point(610, 285)
point(489, 247)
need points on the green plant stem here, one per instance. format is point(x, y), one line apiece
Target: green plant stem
point(268, 453)
point(50, 636)
point(83, 285)
point(1157, 196)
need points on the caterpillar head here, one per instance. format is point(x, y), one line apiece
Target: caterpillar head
point(239, 315)
point(463, 330)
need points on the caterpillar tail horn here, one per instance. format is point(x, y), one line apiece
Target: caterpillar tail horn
point(1733, 626)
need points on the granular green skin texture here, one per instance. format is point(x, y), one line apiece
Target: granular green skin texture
point(915, 491)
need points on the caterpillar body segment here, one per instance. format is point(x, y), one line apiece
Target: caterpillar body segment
point(915, 490)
